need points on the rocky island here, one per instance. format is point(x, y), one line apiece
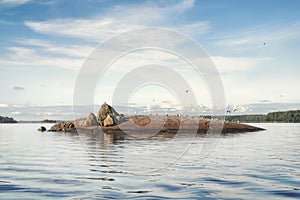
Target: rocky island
point(108, 120)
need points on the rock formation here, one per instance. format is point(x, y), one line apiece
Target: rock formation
point(113, 122)
point(63, 126)
point(107, 116)
point(105, 111)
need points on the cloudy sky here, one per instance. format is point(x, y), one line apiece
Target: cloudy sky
point(254, 45)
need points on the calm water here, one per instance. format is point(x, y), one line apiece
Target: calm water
point(261, 165)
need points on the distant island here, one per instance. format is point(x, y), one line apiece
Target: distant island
point(7, 120)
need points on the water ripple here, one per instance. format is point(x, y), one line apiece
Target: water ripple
point(57, 165)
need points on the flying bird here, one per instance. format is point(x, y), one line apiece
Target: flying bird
point(187, 91)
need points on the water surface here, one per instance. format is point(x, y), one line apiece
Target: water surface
point(259, 165)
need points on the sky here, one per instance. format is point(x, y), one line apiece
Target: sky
point(254, 45)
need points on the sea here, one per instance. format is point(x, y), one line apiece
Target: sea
point(59, 165)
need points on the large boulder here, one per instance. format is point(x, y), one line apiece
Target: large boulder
point(91, 120)
point(63, 126)
point(107, 116)
point(108, 121)
point(105, 111)
point(78, 122)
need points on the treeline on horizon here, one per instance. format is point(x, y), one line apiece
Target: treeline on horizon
point(7, 120)
point(291, 116)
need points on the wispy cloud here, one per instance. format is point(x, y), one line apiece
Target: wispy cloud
point(194, 28)
point(20, 56)
point(236, 64)
point(5, 22)
point(2, 105)
point(115, 20)
point(76, 51)
point(258, 37)
point(183, 5)
point(264, 101)
point(18, 88)
point(90, 29)
point(12, 3)
point(17, 2)
point(40, 53)
point(120, 19)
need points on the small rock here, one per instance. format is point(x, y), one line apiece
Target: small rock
point(42, 129)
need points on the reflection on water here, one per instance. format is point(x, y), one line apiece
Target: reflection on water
point(36, 165)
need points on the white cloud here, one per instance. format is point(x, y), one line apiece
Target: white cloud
point(79, 51)
point(30, 57)
point(194, 28)
point(184, 5)
point(117, 19)
point(21, 52)
point(16, 2)
point(235, 64)
point(33, 52)
point(99, 29)
point(3, 105)
point(120, 19)
point(48, 113)
point(18, 88)
point(15, 113)
point(91, 29)
point(7, 4)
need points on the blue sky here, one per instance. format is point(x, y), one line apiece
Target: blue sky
point(255, 45)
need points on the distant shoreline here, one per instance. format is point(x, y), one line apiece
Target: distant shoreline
point(291, 116)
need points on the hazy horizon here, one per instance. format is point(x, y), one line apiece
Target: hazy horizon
point(65, 112)
point(254, 46)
